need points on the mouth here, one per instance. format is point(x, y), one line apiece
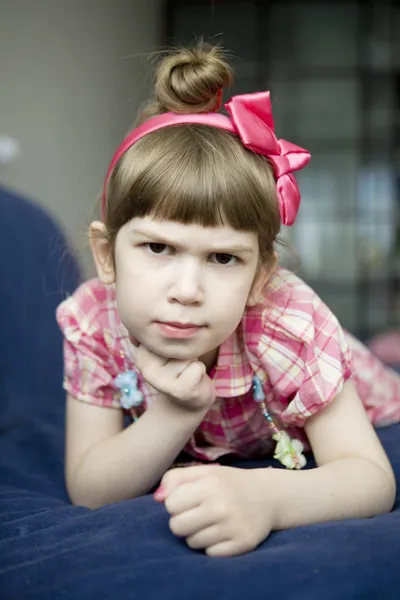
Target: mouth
point(175, 329)
point(180, 325)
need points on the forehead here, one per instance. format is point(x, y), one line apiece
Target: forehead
point(191, 234)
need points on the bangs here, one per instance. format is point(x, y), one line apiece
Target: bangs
point(215, 181)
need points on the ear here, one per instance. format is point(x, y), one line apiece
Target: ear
point(102, 252)
point(263, 275)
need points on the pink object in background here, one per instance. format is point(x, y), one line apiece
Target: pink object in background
point(386, 347)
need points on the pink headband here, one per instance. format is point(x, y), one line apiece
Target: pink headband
point(250, 118)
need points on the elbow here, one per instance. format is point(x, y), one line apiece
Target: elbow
point(85, 502)
point(83, 492)
point(390, 492)
point(386, 490)
point(82, 497)
point(94, 493)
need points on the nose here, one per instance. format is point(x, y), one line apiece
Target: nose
point(186, 285)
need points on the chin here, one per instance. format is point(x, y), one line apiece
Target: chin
point(177, 353)
point(174, 349)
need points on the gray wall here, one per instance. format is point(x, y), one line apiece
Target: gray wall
point(72, 74)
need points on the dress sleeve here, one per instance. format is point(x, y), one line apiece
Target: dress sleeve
point(307, 358)
point(89, 366)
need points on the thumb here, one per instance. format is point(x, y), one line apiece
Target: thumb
point(176, 477)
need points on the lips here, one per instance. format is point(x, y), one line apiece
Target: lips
point(179, 325)
point(177, 329)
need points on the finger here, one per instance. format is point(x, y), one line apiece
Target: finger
point(196, 382)
point(176, 477)
point(211, 537)
point(222, 549)
point(175, 481)
point(184, 497)
point(228, 547)
point(175, 368)
point(158, 369)
point(190, 522)
point(159, 495)
point(191, 376)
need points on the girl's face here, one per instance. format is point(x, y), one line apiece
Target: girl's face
point(182, 289)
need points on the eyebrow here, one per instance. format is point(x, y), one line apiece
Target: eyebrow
point(228, 249)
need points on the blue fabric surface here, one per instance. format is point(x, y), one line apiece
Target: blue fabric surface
point(50, 549)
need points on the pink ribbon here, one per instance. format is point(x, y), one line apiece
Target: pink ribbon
point(250, 117)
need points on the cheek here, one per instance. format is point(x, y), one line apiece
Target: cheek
point(234, 290)
point(130, 301)
point(229, 302)
point(132, 278)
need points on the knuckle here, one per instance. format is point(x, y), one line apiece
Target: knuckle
point(169, 505)
point(221, 510)
point(193, 543)
point(247, 543)
point(244, 536)
point(199, 368)
point(212, 485)
point(169, 477)
point(175, 526)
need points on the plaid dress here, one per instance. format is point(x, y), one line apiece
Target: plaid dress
point(291, 340)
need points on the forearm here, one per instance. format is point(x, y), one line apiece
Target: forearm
point(347, 488)
point(132, 462)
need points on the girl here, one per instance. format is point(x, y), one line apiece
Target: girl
point(193, 330)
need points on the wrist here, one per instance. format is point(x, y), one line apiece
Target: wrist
point(167, 408)
point(266, 490)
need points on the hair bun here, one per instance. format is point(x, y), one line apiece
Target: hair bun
point(189, 80)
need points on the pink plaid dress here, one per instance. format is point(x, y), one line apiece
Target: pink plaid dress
point(292, 341)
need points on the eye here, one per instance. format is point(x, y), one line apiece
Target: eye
point(225, 260)
point(157, 248)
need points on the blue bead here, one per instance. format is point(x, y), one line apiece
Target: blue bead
point(258, 391)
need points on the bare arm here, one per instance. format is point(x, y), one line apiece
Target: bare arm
point(353, 479)
point(106, 463)
point(228, 511)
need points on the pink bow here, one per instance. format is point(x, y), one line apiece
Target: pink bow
point(251, 116)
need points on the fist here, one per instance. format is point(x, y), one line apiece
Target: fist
point(183, 382)
point(221, 510)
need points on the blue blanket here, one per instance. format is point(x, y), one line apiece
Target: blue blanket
point(50, 549)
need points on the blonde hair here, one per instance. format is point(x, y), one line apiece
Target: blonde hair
point(193, 174)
